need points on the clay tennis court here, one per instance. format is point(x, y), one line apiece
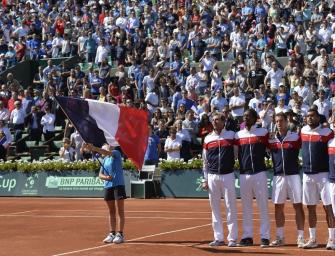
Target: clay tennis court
point(48, 226)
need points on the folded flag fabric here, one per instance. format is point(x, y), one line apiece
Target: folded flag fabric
point(100, 122)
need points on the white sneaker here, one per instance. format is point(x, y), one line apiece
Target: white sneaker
point(278, 242)
point(311, 243)
point(118, 239)
point(330, 244)
point(109, 238)
point(232, 244)
point(300, 242)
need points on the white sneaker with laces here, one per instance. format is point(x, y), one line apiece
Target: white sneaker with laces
point(118, 239)
point(311, 243)
point(109, 238)
point(330, 244)
point(232, 244)
point(300, 242)
point(278, 242)
point(216, 243)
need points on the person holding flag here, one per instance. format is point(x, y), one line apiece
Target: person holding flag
point(115, 194)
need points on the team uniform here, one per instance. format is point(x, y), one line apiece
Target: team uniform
point(286, 178)
point(315, 164)
point(331, 177)
point(218, 154)
point(253, 180)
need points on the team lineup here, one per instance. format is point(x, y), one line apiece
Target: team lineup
point(250, 146)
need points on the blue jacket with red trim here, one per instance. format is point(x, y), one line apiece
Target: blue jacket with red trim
point(218, 153)
point(251, 149)
point(315, 149)
point(331, 152)
point(285, 154)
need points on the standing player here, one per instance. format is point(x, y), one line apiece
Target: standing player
point(218, 169)
point(285, 146)
point(252, 143)
point(331, 177)
point(315, 165)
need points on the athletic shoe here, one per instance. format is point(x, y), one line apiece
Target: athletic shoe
point(265, 242)
point(311, 243)
point(118, 238)
point(330, 244)
point(278, 242)
point(248, 241)
point(300, 242)
point(109, 238)
point(216, 243)
point(232, 244)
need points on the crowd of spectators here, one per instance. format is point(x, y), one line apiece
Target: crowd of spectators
point(168, 56)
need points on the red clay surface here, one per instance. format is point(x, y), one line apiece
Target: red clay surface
point(48, 226)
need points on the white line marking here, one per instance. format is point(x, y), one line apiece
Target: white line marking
point(14, 213)
point(135, 239)
point(243, 249)
point(132, 217)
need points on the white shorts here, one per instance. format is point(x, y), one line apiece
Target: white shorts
point(331, 190)
point(284, 187)
point(315, 186)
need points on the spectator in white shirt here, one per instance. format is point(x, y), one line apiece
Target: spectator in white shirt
point(102, 52)
point(281, 106)
point(17, 116)
point(236, 104)
point(324, 105)
point(256, 102)
point(48, 123)
point(275, 76)
point(172, 145)
point(218, 102)
point(4, 112)
point(77, 142)
point(5, 140)
point(67, 153)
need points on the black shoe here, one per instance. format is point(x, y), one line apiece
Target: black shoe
point(265, 242)
point(248, 241)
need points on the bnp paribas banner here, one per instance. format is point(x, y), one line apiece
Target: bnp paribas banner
point(65, 184)
point(73, 185)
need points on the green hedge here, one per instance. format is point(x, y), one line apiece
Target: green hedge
point(57, 165)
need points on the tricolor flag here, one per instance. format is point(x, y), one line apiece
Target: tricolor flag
point(100, 122)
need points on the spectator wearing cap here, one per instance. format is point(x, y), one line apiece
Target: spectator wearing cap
point(323, 105)
point(236, 104)
point(218, 102)
point(275, 76)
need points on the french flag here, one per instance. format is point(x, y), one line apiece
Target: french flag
point(100, 122)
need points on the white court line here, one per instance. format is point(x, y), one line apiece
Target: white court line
point(132, 217)
point(174, 212)
point(15, 213)
point(249, 248)
point(135, 239)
